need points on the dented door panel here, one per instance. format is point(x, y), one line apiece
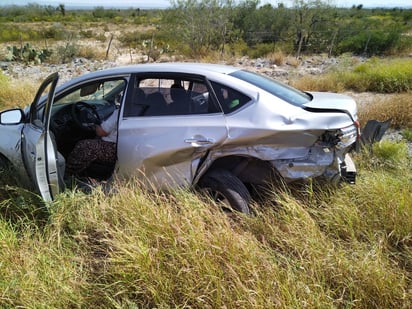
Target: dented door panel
point(167, 149)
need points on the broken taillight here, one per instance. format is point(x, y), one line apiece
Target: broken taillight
point(358, 126)
point(348, 136)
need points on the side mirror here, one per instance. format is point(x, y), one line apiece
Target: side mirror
point(11, 116)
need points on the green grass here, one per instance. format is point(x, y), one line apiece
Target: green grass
point(383, 76)
point(375, 75)
point(407, 134)
point(315, 246)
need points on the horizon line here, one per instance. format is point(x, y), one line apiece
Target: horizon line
point(124, 7)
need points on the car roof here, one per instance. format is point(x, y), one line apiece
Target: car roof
point(190, 67)
point(171, 67)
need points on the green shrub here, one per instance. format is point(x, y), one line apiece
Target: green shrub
point(134, 39)
point(86, 34)
point(386, 155)
point(22, 32)
point(371, 43)
point(67, 52)
point(390, 153)
point(407, 134)
point(375, 75)
point(56, 31)
point(101, 37)
point(386, 76)
point(131, 39)
point(261, 50)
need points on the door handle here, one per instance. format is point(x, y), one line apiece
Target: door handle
point(200, 141)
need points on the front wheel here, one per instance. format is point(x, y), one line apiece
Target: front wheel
point(227, 190)
point(8, 175)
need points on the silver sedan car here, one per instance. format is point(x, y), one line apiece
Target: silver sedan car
point(217, 128)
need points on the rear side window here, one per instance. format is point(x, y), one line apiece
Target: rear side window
point(229, 98)
point(169, 95)
point(282, 91)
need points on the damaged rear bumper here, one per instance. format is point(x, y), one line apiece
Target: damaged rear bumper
point(348, 170)
point(320, 162)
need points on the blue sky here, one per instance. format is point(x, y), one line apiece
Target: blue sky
point(166, 3)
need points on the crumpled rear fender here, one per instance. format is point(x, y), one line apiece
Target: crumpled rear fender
point(319, 161)
point(291, 163)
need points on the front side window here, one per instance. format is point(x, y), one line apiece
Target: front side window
point(102, 96)
point(169, 95)
point(105, 91)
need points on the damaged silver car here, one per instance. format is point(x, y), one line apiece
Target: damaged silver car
point(217, 128)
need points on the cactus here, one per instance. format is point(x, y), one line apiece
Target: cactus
point(27, 54)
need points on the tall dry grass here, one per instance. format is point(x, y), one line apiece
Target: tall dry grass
point(314, 246)
point(397, 107)
point(16, 93)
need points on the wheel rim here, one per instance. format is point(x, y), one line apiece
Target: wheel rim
point(219, 198)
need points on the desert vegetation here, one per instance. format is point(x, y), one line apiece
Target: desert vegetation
point(221, 29)
point(307, 245)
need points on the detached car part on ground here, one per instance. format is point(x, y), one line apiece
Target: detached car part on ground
point(214, 127)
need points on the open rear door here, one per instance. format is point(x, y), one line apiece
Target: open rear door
point(38, 146)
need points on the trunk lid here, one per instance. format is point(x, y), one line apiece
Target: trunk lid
point(332, 102)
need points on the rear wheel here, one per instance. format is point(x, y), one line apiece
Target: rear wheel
point(227, 190)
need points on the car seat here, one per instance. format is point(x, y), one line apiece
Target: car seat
point(156, 105)
point(137, 105)
point(180, 100)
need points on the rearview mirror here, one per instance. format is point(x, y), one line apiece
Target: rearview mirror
point(89, 89)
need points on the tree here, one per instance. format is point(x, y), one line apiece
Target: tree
point(244, 17)
point(309, 16)
point(62, 9)
point(201, 24)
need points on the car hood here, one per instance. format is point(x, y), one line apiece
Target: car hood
point(325, 102)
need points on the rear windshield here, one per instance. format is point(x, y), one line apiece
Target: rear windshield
point(282, 91)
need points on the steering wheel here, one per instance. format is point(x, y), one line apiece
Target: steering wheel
point(85, 116)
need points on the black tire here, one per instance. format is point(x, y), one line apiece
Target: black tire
point(7, 173)
point(227, 189)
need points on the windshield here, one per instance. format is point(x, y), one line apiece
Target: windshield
point(280, 90)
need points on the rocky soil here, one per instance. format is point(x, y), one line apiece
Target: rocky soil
point(314, 65)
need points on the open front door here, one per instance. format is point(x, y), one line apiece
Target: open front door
point(38, 146)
